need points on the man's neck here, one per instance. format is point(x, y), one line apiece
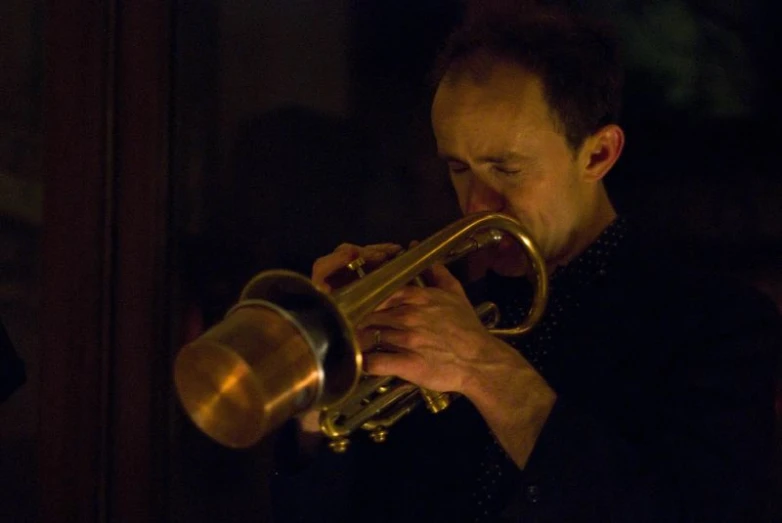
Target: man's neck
point(601, 215)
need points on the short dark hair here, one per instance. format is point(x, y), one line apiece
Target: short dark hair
point(576, 58)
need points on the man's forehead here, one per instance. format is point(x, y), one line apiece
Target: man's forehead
point(480, 107)
point(506, 89)
point(488, 119)
point(508, 106)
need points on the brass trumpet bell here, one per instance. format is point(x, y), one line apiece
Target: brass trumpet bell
point(283, 347)
point(286, 347)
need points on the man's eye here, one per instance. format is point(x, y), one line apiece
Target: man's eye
point(506, 171)
point(458, 169)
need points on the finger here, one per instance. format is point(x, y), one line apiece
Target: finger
point(413, 340)
point(408, 295)
point(327, 265)
point(442, 278)
point(309, 421)
point(371, 337)
point(403, 364)
point(347, 247)
point(374, 255)
point(400, 317)
point(389, 249)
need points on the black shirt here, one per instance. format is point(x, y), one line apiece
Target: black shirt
point(664, 411)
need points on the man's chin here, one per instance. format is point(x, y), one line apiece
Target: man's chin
point(510, 268)
point(509, 259)
point(510, 262)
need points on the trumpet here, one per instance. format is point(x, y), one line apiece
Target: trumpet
point(286, 347)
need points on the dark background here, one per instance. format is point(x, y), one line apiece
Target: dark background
point(322, 135)
point(287, 128)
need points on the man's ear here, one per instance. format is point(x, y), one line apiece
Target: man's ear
point(600, 152)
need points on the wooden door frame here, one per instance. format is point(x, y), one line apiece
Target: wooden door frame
point(105, 351)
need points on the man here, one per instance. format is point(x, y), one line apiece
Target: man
point(643, 395)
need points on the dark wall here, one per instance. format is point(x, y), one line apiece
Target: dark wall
point(21, 194)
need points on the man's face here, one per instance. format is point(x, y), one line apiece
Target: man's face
point(505, 154)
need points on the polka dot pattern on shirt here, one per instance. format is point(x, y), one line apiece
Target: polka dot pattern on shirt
point(497, 473)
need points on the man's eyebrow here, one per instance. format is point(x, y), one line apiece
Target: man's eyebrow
point(509, 157)
point(449, 158)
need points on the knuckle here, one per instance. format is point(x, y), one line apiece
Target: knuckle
point(410, 293)
point(409, 338)
point(402, 317)
point(320, 269)
point(373, 254)
point(375, 364)
point(327, 259)
point(387, 247)
point(318, 264)
point(422, 296)
point(408, 320)
point(346, 247)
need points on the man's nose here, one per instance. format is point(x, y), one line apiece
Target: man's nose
point(482, 197)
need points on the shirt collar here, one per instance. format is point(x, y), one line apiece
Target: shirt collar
point(595, 262)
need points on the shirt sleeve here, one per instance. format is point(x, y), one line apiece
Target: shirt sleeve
point(705, 458)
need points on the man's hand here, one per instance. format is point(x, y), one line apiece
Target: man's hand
point(328, 274)
point(431, 335)
point(433, 338)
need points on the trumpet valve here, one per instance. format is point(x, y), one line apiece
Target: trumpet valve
point(435, 401)
point(379, 434)
point(339, 445)
point(357, 266)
